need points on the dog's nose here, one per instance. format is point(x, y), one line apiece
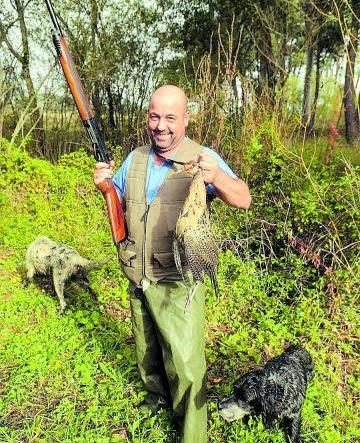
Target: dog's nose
point(220, 404)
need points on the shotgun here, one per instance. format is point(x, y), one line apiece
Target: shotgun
point(101, 154)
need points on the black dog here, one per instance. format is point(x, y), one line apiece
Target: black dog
point(276, 392)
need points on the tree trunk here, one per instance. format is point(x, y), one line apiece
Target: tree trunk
point(24, 58)
point(352, 122)
point(267, 80)
point(283, 73)
point(96, 86)
point(97, 103)
point(110, 106)
point(306, 106)
point(317, 89)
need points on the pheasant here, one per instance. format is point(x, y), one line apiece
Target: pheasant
point(193, 233)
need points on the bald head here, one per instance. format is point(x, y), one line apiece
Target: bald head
point(170, 93)
point(168, 117)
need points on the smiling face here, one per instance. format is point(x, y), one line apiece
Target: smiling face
point(168, 117)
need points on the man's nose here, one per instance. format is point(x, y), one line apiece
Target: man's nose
point(161, 125)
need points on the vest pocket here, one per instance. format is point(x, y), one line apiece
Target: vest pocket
point(126, 256)
point(164, 259)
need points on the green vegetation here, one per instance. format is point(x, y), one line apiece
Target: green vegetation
point(273, 87)
point(288, 274)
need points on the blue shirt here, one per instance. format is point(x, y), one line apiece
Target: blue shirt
point(156, 174)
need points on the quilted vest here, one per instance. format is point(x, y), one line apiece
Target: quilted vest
point(149, 249)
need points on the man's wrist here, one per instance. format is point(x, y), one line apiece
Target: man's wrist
point(218, 178)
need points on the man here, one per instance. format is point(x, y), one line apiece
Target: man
point(169, 340)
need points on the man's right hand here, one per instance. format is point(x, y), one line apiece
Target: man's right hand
point(103, 171)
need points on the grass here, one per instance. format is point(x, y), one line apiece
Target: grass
point(73, 378)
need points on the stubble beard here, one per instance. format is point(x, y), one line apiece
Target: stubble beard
point(174, 144)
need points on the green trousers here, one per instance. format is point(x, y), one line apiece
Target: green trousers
point(170, 350)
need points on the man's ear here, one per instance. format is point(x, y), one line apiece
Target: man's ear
point(186, 118)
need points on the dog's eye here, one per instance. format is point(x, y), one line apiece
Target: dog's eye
point(238, 386)
point(238, 392)
point(250, 394)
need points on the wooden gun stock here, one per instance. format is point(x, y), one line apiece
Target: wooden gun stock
point(114, 210)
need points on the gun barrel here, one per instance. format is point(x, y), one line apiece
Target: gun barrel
point(53, 17)
point(87, 117)
point(73, 80)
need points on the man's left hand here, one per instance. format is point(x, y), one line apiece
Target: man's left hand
point(209, 166)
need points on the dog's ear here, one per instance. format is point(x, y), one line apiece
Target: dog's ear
point(308, 365)
point(304, 359)
point(272, 397)
point(247, 388)
point(252, 395)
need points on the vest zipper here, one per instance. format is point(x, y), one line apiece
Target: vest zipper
point(145, 217)
point(144, 242)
